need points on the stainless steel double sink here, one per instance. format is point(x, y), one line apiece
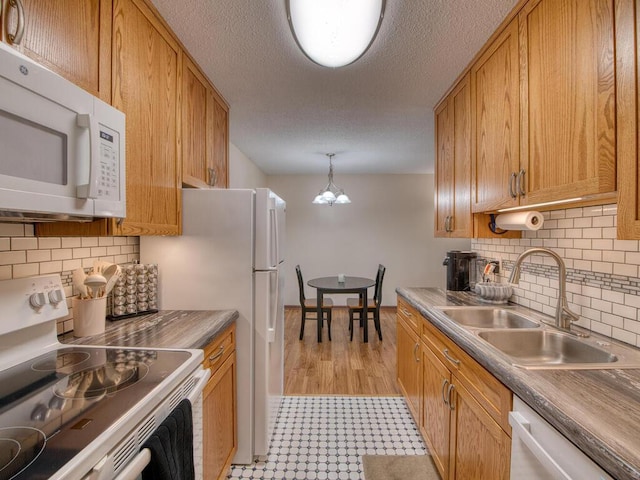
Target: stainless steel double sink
point(531, 344)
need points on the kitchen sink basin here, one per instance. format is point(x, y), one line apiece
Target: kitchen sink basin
point(540, 348)
point(488, 317)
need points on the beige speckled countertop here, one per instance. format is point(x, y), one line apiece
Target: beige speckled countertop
point(165, 329)
point(598, 410)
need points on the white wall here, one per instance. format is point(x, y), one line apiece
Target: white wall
point(390, 221)
point(243, 173)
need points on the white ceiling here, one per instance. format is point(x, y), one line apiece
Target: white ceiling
point(376, 114)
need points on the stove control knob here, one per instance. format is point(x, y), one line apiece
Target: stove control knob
point(40, 413)
point(37, 300)
point(55, 297)
point(57, 403)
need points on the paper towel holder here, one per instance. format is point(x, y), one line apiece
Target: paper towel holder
point(493, 227)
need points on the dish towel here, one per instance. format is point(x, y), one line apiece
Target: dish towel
point(171, 447)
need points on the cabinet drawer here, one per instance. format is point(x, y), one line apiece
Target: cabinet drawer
point(409, 314)
point(485, 388)
point(219, 350)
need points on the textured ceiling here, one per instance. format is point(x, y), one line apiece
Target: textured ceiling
point(376, 114)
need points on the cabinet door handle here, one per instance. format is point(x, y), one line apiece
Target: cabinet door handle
point(415, 350)
point(406, 312)
point(455, 361)
point(444, 385)
point(520, 183)
point(217, 355)
point(447, 223)
point(452, 405)
point(512, 185)
point(213, 176)
point(16, 38)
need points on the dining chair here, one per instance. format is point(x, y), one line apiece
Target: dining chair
point(310, 305)
point(355, 305)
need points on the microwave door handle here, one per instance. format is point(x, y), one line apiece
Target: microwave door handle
point(90, 190)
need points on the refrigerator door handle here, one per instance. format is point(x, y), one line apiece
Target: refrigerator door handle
point(271, 327)
point(274, 234)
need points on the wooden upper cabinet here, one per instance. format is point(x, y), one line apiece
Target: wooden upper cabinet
point(220, 143)
point(70, 37)
point(453, 164)
point(567, 101)
point(627, 108)
point(204, 131)
point(195, 157)
point(444, 181)
point(147, 67)
point(495, 97)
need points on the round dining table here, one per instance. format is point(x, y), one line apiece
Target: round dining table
point(357, 285)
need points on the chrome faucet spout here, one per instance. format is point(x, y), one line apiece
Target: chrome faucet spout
point(564, 315)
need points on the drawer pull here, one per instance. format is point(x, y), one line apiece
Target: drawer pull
point(406, 312)
point(455, 361)
point(452, 405)
point(415, 350)
point(217, 355)
point(444, 385)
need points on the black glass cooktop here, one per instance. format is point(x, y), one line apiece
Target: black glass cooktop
point(54, 405)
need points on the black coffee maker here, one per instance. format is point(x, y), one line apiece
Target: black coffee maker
point(459, 264)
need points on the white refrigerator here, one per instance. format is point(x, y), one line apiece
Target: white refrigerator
point(230, 256)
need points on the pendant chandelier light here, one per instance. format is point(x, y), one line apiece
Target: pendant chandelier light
point(331, 193)
point(334, 33)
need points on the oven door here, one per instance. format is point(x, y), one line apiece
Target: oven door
point(121, 464)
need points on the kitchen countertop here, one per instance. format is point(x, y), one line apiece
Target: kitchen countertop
point(598, 410)
point(165, 329)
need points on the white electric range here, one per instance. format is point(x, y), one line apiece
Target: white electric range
point(81, 412)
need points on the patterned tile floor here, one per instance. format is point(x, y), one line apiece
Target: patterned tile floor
point(319, 438)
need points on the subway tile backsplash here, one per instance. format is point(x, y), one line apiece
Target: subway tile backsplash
point(602, 272)
point(24, 255)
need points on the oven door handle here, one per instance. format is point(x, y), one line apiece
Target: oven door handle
point(134, 468)
point(202, 379)
point(104, 469)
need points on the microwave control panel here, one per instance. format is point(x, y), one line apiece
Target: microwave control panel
point(109, 177)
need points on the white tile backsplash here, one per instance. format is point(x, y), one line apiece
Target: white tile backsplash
point(602, 273)
point(24, 255)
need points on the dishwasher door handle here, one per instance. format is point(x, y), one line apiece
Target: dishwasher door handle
point(521, 429)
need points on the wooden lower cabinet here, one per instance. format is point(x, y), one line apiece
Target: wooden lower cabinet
point(409, 371)
point(462, 409)
point(435, 425)
point(220, 438)
point(479, 447)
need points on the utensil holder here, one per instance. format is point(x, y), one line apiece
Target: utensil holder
point(88, 316)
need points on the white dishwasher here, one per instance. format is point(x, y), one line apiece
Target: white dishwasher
point(539, 451)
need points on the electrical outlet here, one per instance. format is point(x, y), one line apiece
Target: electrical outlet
point(496, 266)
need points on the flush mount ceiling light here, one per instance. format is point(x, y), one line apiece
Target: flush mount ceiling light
point(334, 33)
point(331, 193)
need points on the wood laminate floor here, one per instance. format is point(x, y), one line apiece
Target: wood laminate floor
point(340, 367)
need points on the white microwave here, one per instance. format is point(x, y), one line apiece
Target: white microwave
point(62, 150)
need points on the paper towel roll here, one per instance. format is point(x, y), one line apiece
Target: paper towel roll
point(520, 221)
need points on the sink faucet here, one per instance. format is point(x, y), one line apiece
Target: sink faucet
point(564, 316)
